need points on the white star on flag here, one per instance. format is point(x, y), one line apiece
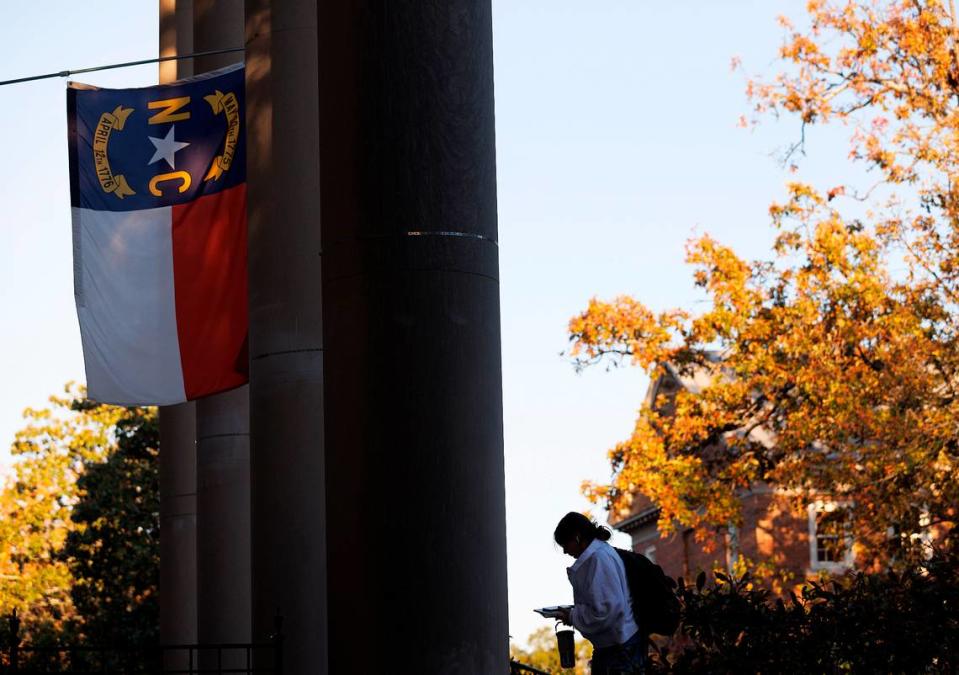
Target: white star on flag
point(166, 148)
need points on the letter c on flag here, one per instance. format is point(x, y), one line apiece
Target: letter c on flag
point(183, 176)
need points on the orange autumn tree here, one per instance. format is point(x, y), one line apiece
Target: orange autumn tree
point(843, 347)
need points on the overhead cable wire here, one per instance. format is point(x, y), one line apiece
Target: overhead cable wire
point(68, 73)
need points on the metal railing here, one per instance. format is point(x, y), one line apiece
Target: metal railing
point(517, 668)
point(251, 658)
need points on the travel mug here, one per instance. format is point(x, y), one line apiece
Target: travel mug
point(567, 651)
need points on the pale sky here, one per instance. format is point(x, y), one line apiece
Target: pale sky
point(616, 142)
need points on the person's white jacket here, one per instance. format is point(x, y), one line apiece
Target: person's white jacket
point(601, 603)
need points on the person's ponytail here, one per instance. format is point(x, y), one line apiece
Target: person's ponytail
point(577, 525)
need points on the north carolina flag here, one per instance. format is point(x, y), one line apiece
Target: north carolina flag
point(157, 184)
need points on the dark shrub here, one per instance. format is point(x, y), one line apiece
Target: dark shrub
point(904, 622)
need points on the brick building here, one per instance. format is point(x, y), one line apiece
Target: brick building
point(802, 544)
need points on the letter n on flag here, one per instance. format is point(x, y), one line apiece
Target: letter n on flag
point(158, 190)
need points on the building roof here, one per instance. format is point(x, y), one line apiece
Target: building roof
point(694, 380)
point(637, 520)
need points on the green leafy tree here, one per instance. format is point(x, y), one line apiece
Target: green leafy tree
point(113, 552)
point(79, 522)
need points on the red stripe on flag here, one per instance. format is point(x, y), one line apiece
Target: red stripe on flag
point(210, 286)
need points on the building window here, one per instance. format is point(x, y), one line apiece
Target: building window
point(830, 538)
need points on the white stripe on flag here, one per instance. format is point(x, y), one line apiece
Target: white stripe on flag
point(128, 311)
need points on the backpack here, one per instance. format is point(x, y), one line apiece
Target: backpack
point(654, 604)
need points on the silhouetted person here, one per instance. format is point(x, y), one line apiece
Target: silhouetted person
point(601, 611)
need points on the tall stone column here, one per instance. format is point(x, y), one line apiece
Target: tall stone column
point(222, 434)
point(224, 584)
point(286, 345)
point(416, 532)
point(178, 524)
point(177, 423)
